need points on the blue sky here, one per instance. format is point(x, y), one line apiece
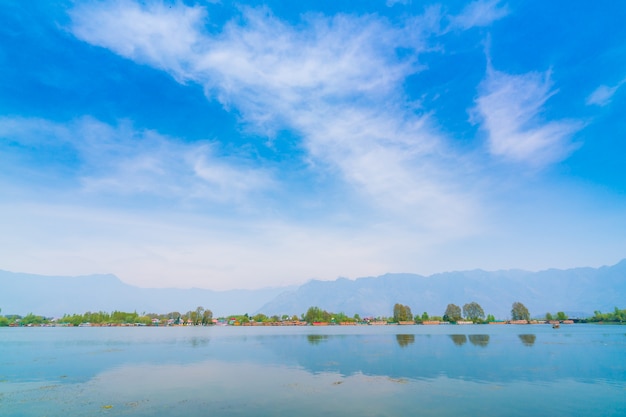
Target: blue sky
point(250, 144)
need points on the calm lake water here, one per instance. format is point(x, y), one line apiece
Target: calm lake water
point(532, 370)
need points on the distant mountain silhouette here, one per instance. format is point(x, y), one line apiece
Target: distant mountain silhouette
point(577, 292)
point(56, 295)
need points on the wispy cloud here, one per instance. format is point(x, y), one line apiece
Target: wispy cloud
point(122, 160)
point(153, 33)
point(337, 82)
point(479, 13)
point(509, 108)
point(603, 95)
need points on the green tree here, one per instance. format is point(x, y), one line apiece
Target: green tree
point(561, 316)
point(402, 313)
point(473, 311)
point(549, 316)
point(314, 314)
point(453, 313)
point(32, 319)
point(490, 318)
point(616, 316)
point(207, 317)
point(422, 318)
point(519, 312)
point(197, 319)
point(260, 318)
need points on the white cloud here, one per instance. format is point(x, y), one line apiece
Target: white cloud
point(391, 3)
point(479, 13)
point(603, 95)
point(154, 33)
point(509, 108)
point(114, 160)
point(337, 82)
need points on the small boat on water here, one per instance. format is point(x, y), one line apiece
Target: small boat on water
point(556, 325)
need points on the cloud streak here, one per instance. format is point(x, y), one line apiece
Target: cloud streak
point(509, 109)
point(122, 160)
point(478, 13)
point(337, 82)
point(603, 95)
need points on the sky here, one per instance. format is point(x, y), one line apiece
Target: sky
point(223, 145)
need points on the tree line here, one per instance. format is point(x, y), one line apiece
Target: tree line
point(201, 317)
point(197, 317)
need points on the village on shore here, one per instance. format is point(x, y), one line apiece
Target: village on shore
point(471, 314)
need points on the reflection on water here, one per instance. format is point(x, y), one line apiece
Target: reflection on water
point(315, 339)
point(405, 339)
point(528, 339)
point(361, 371)
point(199, 341)
point(459, 339)
point(479, 339)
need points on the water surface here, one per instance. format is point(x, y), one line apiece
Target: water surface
point(578, 370)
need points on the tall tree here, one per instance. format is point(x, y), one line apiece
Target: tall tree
point(473, 311)
point(198, 316)
point(207, 317)
point(314, 314)
point(561, 316)
point(402, 313)
point(519, 312)
point(453, 313)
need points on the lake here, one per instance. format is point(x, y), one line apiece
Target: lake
point(486, 370)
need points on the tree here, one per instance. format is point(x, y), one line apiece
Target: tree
point(260, 318)
point(473, 311)
point(616, 316)
point(561, 316)
point(207, 317)
point(519, 312)
point(32, 319)
point(549, 316)
point(490, 318)
point(402, 313)
point(453, 313)
point(314, 314)
point(198, 316)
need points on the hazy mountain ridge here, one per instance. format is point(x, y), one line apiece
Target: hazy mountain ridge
point(578, 290)
point(56, 295)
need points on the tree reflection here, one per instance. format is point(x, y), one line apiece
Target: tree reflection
point(315, 339)
point(528, 339)
point(459, 339)
point(199, 341)
point(405, 339)
point(479, 339)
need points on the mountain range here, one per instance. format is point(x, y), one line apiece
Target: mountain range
point(578, 292)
